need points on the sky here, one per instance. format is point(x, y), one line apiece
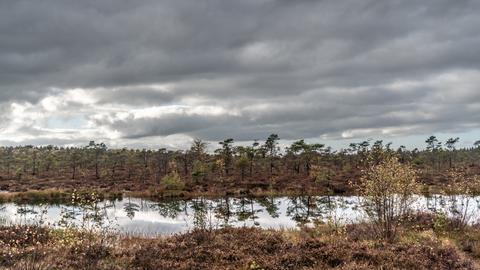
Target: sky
point(158, 73)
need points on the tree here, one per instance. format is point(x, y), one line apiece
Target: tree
point(477, 144)
point(401, 152)
point(251, 152)
point(8, 159)
point(162, 163)
point(306, 151)
point(145, 160)
point(363, 151)
point(477, 147)
point(226, 153)
point(271, 147)
point(185, 158)
point(433, 145)
point(293, 152)
point(98, 149)
point(387, 189)
point(199, 149)
point(450, 144)
point(74, 160)
point(378, 152)
point(242, 164)
point(115, 158)
point(48, 158)
point(34, 161)
point(199, 171)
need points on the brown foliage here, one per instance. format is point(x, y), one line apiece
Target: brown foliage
point(243, 248)
point(238, 248)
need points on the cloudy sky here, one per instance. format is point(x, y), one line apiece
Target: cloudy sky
point(154, 73)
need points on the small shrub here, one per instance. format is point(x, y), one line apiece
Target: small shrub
point(172, 181)
point(440, 223)
point(321, 174)
point(461, 192)
point(254, 266)
point(88, 235)
point(242, 163)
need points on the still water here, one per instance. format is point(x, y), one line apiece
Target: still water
point(142, 217)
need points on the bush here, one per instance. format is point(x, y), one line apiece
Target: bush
point(462, 191)
point(199, 171)
point(242, 163)
point(172, 181)
point(388, 189)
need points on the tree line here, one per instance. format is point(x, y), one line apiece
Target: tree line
point(264, 159)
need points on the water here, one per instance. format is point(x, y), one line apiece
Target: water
point(143, 217)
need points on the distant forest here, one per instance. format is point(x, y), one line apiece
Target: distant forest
point(259, 160)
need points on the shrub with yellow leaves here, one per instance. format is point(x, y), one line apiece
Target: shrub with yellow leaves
point(388, 190)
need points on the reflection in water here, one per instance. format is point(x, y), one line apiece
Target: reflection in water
point(131, 208)
point(139, 216)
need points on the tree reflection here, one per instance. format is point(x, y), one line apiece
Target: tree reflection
point(328, 208)
point(131, 208)
point(23, 210)
point(271, 205)
point(170, 208)
point(245, 210)
point(305, 209)
point(200, 210)
point(223, 211)
point(302, 208)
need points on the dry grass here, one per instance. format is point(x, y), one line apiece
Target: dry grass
point(322, 247)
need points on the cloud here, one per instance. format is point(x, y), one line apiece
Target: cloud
point(139, 72)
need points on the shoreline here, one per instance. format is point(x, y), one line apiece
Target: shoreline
point(64, 195)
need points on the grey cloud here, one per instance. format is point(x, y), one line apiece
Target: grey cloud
point(134, 96)
point(301, 68)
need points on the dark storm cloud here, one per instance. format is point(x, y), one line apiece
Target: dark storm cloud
point(298, 68)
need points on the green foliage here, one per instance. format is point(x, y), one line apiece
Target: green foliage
point(321, 174)
point(199, 171)
point(253, 265)
point(440, 223)
point(271, 150)
point(242, 163)
point(226, 153)
point(172, 181)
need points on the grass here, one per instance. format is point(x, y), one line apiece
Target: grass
point(419, 246)
point(55, 190)
point(63, 196)
point(49, 196)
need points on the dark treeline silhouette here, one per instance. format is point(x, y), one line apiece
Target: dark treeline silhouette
point(261, 164)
